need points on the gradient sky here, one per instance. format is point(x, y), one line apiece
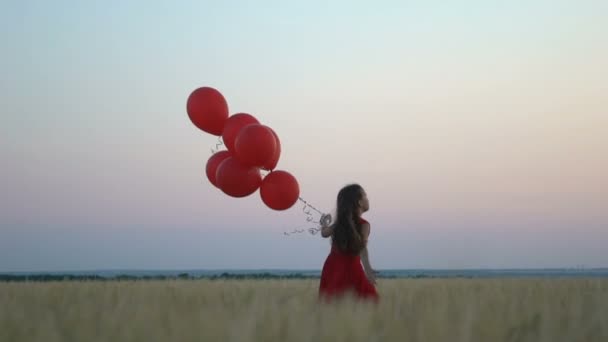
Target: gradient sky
point(479, 130)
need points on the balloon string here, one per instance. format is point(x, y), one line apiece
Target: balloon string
point(306, 204)
point(219, 144)
point(306, 209)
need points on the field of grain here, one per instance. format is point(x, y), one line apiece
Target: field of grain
point(287, 310)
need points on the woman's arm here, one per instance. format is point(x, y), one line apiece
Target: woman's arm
point(326, 229)
point(369, 271)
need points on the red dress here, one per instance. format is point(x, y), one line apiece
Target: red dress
point(343, 272)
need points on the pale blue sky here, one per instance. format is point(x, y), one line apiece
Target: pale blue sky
point(478, 129)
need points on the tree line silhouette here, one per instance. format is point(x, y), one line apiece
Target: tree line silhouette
point(47, 277)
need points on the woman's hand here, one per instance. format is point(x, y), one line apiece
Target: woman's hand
point(326, 229)
point(371, 276)
point(325, 220)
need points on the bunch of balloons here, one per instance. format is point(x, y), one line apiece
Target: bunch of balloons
point(251, 147)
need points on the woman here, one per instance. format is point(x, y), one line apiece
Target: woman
point(342, 271)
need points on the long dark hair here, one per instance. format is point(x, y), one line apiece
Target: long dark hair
point(347, 227)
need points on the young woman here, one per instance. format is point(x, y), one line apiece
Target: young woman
point(342, 271)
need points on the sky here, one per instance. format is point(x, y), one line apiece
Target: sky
point(478, 129)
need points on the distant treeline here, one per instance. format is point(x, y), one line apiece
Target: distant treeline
point(182, 276)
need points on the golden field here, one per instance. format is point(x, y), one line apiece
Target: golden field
point(287, 310)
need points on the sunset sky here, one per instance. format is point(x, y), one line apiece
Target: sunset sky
point(479, 130)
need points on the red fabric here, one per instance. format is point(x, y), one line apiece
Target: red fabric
point(342, 273)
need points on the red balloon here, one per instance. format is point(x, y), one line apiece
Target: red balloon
point(207, 110)
point(280, 190)
point(233, 126)
point(255, 145)
point(236, 179)
point(212, 164)
point(272, 162)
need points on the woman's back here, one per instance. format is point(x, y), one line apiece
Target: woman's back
point(342, 270)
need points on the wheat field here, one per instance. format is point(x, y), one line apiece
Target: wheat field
point(287, 310)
